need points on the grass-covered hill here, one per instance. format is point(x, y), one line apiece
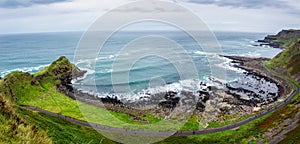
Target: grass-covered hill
point(288, 61)
point(18, 125)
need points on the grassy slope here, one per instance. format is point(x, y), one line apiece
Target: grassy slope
point(18, 125)
point(39, 90)
point(287, 63)
point(288, 60)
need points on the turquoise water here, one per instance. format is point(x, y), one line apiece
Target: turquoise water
point(32, 52)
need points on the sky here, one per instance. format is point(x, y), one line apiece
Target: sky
point(29, 16)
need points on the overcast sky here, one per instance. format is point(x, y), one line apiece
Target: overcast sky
point(23, 16)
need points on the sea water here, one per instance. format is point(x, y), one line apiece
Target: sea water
point(32, 52)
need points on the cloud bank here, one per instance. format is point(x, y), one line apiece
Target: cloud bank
point(255, 4)
point(26, 3)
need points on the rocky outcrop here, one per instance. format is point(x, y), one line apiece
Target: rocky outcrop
point(170, 100)
point(60, 72)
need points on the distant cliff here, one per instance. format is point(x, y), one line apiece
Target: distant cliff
point(281, 40)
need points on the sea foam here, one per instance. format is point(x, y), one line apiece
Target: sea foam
point(25, 69)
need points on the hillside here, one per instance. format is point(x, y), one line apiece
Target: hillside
point(18, 125)
point(288, 61)
point(283, 39)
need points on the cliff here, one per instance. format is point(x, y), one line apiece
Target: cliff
point(21, 85)
point(288, 61)
point(281, 40)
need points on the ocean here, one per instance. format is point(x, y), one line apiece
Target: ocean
point(32, 52)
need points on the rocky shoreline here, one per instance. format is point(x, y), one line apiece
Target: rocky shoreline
point(256, 67)
point(211, 103)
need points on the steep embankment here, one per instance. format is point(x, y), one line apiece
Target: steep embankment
point(288, 61)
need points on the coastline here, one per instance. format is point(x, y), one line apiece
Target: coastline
point(167, 101)
point(256, 66)
point(252, 66)
point(179, 133)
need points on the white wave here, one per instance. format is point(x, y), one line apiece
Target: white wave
point(186, 85)
point(111, 56)
point(105, 57)
point(228, 66)
point(88, 72)
point(251, 54)
point(191, 85)
point(25, 69)
point(86, 62)
point(205, 53)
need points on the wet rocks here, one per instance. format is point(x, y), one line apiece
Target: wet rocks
point(252, 89)
point(111, 100)
point(170, 100)
point(204, 95)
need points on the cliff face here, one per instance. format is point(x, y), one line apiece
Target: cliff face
point(281, 40)
point(288, 61)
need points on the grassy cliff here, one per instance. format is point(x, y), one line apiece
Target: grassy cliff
point(18, 125)
point(288, 61)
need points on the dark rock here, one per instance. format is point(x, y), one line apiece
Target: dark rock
point(170, 103)
point(200, 107)
point(111, 100)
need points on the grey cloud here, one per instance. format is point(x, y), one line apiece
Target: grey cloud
point(252, 4)
point(26, 3)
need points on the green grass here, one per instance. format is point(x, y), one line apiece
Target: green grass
point(288, 60)
point(191, 124)
point(286, 42)
point(241, 135)
point(51, 100)
point(229, 119)
point(19, 125)
point(62, 131)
